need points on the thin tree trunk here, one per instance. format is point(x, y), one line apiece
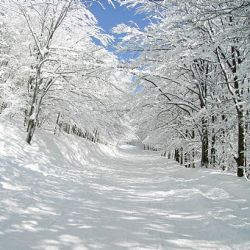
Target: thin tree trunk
point(193, 158)
point(241, 144)
point(57, 121)
point(204, 143)
point(30, 131)
point(213, 141)
point(177, 155)
point(181, 156)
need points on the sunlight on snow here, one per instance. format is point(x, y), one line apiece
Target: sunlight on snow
point(103, 197)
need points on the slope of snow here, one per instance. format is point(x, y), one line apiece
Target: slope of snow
point(67, 193)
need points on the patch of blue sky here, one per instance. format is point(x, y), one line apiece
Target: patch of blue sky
point(109, 16)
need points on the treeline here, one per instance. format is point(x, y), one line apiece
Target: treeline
point(74, 129)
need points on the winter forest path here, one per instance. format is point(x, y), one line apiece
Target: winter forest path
point(131, 200)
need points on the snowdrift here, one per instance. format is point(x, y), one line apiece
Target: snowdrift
point(48, 153)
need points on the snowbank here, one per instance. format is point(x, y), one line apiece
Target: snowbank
point(48, 153)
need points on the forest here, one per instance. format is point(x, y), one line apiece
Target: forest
point(184, 88)
point(124, 124)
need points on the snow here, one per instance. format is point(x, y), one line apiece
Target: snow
point(126, 146)
point(64, 192)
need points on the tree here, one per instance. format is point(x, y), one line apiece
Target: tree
point(61, 69)
point(195, 54)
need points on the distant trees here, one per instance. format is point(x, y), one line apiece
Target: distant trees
point(194, 68)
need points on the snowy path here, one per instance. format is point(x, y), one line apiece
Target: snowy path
point(133, 200)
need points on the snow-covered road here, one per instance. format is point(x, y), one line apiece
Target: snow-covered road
point(125, 199)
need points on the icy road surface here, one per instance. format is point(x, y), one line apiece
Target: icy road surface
point(60, 194)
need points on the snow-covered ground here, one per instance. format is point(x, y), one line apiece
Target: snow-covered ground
point(66, 193)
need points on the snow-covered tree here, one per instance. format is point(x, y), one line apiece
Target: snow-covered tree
point(196, 55)
point(60, 69)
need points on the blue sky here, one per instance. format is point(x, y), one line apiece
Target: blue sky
point(110, 16)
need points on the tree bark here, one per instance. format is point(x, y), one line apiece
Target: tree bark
point(240, 160)
point(30, 130)
point(177, 155)
point(181, 156)
point(204, 143)
point(57, 122)
point(213, 141)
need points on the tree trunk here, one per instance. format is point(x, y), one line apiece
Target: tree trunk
point(177, 155)
point(30, 130)
point(213, 141)
point(169, 154)
point(57, 122)
point(193, 158)
point(213, 152)
point(204, 143)
point(181, 156)
point(34, 109)
point(186, 160)
point(241, 144)
point(31, 122)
